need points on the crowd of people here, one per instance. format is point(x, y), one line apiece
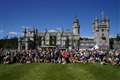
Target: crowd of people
point(62, 56)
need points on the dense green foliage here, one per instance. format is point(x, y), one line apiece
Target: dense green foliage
point(9, 43)
point(59, 72)
point(117, 38)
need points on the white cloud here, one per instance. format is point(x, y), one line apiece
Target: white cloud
point(23, 27)
point(91, 37)
point(52, 30)
point(112, 36)
point(12, 33)
point(59, 28)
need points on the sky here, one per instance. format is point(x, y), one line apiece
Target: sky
point(56, 14)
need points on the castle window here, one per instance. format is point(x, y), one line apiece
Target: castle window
point(102, 30)
point(40, 40)
point(103, 37)
point(52, 40)
point(102, 34)
point(97, 30)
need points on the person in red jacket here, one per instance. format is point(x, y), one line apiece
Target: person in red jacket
point(66, 56)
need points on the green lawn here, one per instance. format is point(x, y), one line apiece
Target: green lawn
point(59, 72)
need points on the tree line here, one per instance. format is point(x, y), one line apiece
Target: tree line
point(11, 43)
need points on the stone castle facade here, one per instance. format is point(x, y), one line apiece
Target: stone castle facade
point(33, 39)
point(101, 32)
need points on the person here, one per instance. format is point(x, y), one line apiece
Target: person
point(60, 56)
point(66, 56)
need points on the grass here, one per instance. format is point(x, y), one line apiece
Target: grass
point(59, 72)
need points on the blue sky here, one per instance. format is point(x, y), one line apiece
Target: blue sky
point(51, 14)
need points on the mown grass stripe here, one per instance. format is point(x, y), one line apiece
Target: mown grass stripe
point(36, 72)
point(80, 73)
point(59, 72)
point(13, 72)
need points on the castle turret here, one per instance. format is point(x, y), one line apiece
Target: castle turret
point(26, 39)
point(101, 32)
point(76, 26)
point(95, 24)
point(76, 32)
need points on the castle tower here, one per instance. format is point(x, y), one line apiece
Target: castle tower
point(76, 33)
point(76, 26)
point(101, 32)
point(35, 37)
point(26, 39)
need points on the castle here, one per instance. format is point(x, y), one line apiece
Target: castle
point(33, 39)
point(101, 32)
